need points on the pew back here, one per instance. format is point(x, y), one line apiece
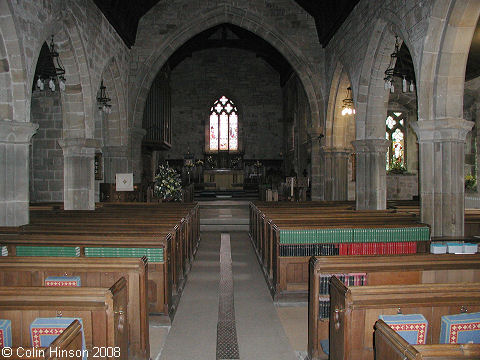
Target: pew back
point(103, 312)
point(381, 270)
point(93, 272)
point(354, 311)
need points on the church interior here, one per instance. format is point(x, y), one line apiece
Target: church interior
point(240, 179)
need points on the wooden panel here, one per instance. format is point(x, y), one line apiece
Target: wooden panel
point(387, 278)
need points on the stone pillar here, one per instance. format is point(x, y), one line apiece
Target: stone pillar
point(442, 157)
point(371, 175)
point(136, 138)
point(115, 160)
point(14, 175)
point(340, 171)
point(336, 174)
point(318, 178)
point(78, 173)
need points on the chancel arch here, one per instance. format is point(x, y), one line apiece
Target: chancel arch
point(246, 20)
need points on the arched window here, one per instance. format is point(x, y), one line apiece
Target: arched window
point(223, 126)
point(395, 132)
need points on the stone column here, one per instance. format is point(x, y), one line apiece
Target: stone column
point(442, 157)
point(115, 160)
point(371, 175)
point(78, 174)
point(336, 174)
point(340, 171)
point(14, 175)
point(318, 178)
point(136, 137)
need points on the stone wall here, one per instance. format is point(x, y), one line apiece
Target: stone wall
point(252, 85)
point(402, 187)
point(46, 167)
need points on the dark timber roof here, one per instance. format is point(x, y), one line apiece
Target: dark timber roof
point(329, 15)
point(124, 15)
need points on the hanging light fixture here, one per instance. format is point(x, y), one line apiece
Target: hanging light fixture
point(391, 72)
point(103, 100)
point(51, 69)
point(347, 107)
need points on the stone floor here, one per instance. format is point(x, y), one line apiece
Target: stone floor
point(264, 331)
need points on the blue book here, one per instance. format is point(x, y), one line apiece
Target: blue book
point(43, 331)
point(413, 327)
point(5, 333)
point(460, 329)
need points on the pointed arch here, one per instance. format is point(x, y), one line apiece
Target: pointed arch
point(77, 99)
point(372, 98)
point(115, 131)
point(339, 130)
point(14, 95)
point(444, 59)
point(240, 17)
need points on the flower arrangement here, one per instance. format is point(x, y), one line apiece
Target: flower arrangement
point(258, 164)
point(397, 167)
point(199, 162)
point(167, 185)
point(470, 183)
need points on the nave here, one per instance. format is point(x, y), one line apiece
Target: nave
point(259, 330)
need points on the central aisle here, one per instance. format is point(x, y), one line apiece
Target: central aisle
point(259, 330)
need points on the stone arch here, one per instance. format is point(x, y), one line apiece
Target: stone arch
point(6, 97)
point(116, 121)
point(444, 59)
point(372, 98)
point(371, 106)
point(337, 142)
point(239, 17)
point(337, 129)
point(77, 103)
point(441, 129)
point(14, 94)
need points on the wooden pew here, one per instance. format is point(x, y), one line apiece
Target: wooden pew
point(391, 346)
point(354, 311)
point(287, 273)
point(382, 270)
point(179, 220)
point(159, 289)
point(93, 272)
point(103, 312)
point(68, 345)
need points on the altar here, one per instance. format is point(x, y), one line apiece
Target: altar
point(223, 179)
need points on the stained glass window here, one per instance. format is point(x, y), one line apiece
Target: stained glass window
point(223, 125)
point(395, 133)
